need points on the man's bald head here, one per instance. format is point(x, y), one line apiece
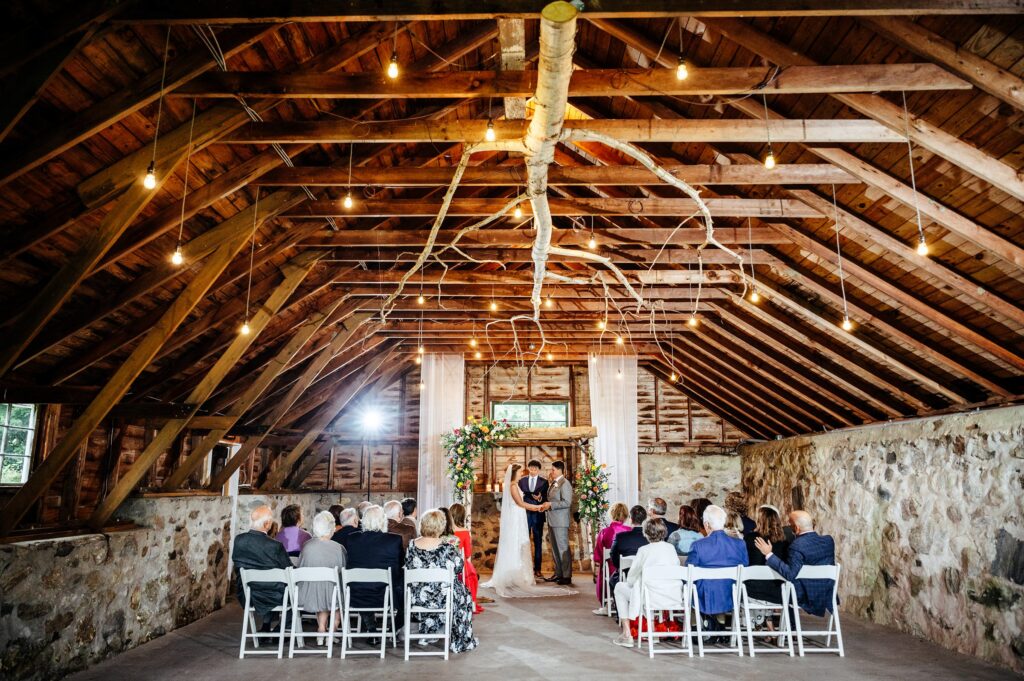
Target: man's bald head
point(801, 521)
point(260, 518)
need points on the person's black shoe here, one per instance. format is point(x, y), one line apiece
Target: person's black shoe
point(552, 578)
point(564, 582)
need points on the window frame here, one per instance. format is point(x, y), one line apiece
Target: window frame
point(30, 450)
point(530, 404)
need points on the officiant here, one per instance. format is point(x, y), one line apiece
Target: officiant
point(535, 491)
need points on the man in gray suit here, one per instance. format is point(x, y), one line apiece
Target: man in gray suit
point(558, 517)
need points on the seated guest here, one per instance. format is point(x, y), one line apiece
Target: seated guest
point(321, 552)
point(469, 575)
point(448, 534)
point(335, 511)
point(716, 550)
point(349, 521)
point(292, 535)
point(409, 513)
point(254, 550)
point(431, 551)
point(734, 524)
point(628, 543)
point(769, 528)
point(362, 506)
point(657, 508)
point(376, 548)
point(628, 594)
point(699, 505)
point(393, 512)
point(620, 517)
point(737, 503)
point(807, 548)
point(688, 532)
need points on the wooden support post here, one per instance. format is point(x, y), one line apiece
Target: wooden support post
point(294, 272)
point(117, 386)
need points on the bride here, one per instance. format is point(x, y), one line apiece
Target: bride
point(513, 566)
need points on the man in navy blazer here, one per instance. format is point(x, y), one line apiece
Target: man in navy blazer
point(535, 491)
point(716, 550)
point(808, 548)
point(628, 543)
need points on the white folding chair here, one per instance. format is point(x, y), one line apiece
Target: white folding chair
point(696, 574)
point(310, 575)
point(833, 628)
point(250, 577)
point(654, 583)
point(607, 601)
point(446, 579)
point(625, 562)
point(385, 610)
point(749, 605)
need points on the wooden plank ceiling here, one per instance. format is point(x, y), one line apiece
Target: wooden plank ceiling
point(293, 112)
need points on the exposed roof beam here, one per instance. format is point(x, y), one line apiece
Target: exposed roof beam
point(515, 238)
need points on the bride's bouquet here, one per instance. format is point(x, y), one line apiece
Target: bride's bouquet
point(592, 490)
point(467, 443)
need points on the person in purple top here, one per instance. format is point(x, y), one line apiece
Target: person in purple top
point(292, 535)
point(716, 550)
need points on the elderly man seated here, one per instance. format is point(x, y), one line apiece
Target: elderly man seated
point(656, 553)
point(393, 512)
point(254, 550)
point(349, 521)
point(716, 550)
point(808, 548)
point(657, 508)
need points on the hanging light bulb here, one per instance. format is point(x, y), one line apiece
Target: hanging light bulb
point(420, 300)
point(618, 374)
point(769, 160)
point(550, 357)
point(149, 181)
point(422, 385)
point(518, 212)
point(472, 342)
point(922, 246)
point(393, 66)
point(494, 306)
point(682, 73)
point(245, 330)
point(847, 324)
point(177, 258)
point(592, 244)
point(548, 302)
point(418, 360)
point(347, 202)
point(619, 340)
point(673, 378)
point(489, 135)
point(477, 355)
point(692, 321)
point(421, 350)
point(593, 358)
point(754, 296)
point(601, 324)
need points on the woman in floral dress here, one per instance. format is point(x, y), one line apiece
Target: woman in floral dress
point(429, 550)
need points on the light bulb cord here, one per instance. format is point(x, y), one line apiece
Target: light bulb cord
point(160, 102)
point(252, 250)
point(188, 158)
point(839, 256)
point(910, 158)
point(767, 127)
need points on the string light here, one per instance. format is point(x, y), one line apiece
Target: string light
point(754, 295)
point(847, 325)
point(477, 355)
point(149, 181)
point(548, 302)
point(922, 243)
point(682, 73)
point(593, 357)
point(421, 349)
point(177, 258)
point(489, 134)
point(673, 377)
point(252, 258)
point(618, 374)
point(245, 328)
point(418, 360)
point(420, 299)
point(518, 212)
point(494, 306)
point(422, 385)
point(592, 244)
point(348, 194)
point(550, 357)
point(601, 324)
point(769, 160)
point(393, 64)
point(347, 201)
point(692, 321)
point(619, 340)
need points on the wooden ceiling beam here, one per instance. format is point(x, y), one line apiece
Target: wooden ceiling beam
point(485, 279)
point(262, 11)
point(671, 255)
point(928, 135)
point(584, 176)
point(982, 73)
point(817, 131)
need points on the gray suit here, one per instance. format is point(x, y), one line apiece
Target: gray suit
point(558, 518)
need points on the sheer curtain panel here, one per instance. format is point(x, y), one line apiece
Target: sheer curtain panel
point(613, 412)
point(442, 408)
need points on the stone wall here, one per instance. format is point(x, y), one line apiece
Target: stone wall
point(67, 603)
point(928, 518)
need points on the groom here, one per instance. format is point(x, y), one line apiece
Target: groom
point(559, 515)
point(535, 491)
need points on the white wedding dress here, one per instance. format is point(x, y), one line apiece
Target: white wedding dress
point(513, 564)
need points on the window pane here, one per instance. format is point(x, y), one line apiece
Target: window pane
point(22, 415)
point(14, 470)
point(3, 414)
point(515, 412)
point(554, 413)
point(16, 441)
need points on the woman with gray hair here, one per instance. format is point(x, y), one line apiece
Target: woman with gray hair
point(321, 552)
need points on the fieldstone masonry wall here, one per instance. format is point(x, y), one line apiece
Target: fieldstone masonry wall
point(928, 518)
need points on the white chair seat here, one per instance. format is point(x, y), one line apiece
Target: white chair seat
point(249, 578)
point(385, 610)
point(750, 605)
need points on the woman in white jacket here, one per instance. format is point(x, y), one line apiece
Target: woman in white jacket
point(658, 553)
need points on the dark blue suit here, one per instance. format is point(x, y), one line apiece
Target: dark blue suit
point(716, 550)
point(625, 544)
point(809, 548)
point(535, 519)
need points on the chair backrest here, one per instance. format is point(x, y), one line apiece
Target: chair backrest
point(607, 554)
point(819, 572)
point(698, 573)
point(760, 573)
point(626, 562)
point(314, 574)
point(273, 576)
point(428, 575)
point(663, 573)
point(366, 576)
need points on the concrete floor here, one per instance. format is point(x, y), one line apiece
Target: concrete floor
point(554, 638)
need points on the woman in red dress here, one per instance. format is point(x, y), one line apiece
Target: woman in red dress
point(469, 574)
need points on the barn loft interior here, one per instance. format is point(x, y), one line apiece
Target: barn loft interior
point(697, 321)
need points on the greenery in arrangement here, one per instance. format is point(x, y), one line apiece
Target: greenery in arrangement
point(592, 489)
point(472, 440)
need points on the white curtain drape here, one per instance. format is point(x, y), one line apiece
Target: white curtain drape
point(442, 407)
point(613, 412)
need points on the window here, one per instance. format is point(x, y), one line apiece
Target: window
point(532, 414)
point(17, 434)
